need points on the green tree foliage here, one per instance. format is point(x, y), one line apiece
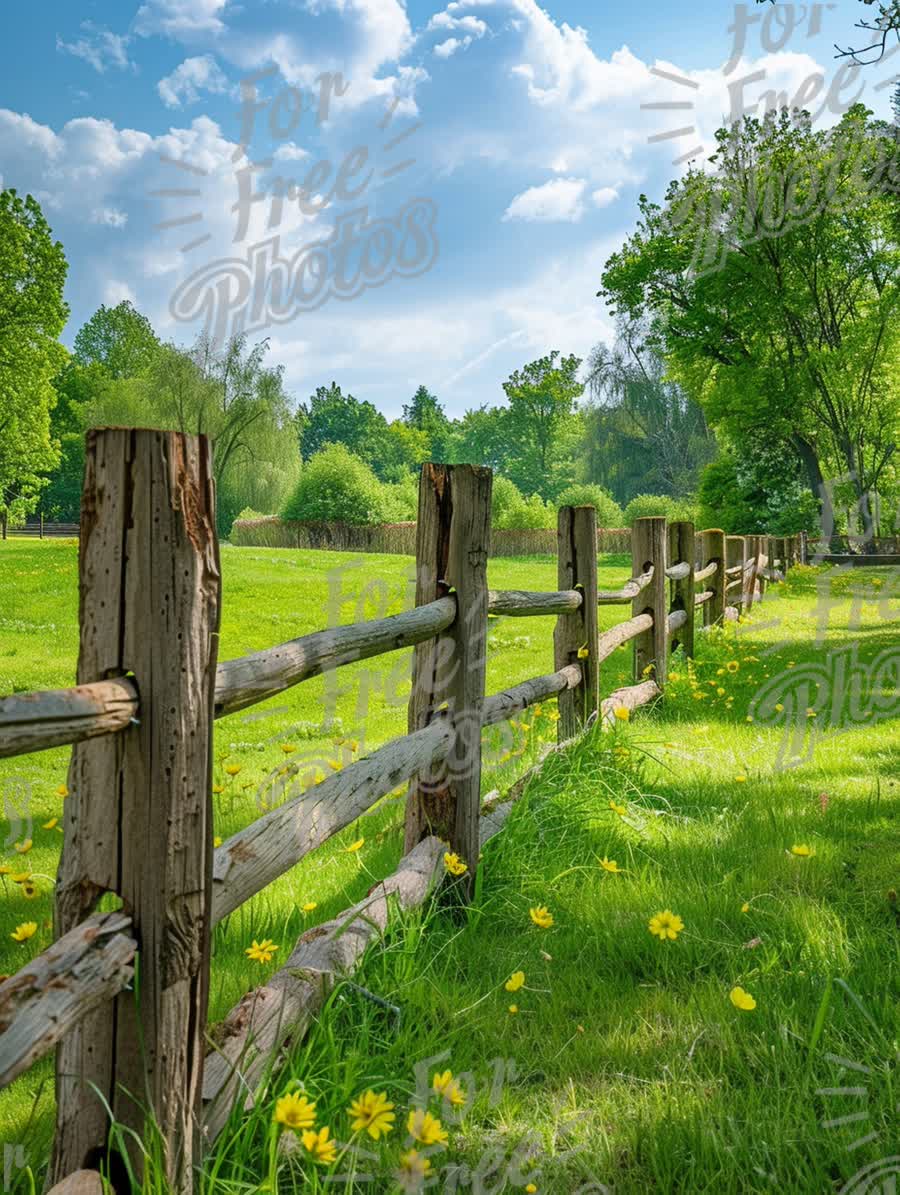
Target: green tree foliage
point(643, 431)
point(774, 289)
point(756, 490)
point(512, 511)
point(645, 506)
point(542, 401)
point(119, 339)
point(609, 513)
point(426, 414)
point(227, 393)
point(32, 316)
point(336, 485)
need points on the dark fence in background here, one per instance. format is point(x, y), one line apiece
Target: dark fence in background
point(399, 539)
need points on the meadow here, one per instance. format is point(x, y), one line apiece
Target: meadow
point(592, 1054)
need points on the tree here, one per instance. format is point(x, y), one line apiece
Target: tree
point(226, 393)
point(120, 339)
point(609, 513)
point(426, 414)
point(332, 417)
point(542, 397)
point(879, 31)
point(757, 488)
point(774, 290)
point(643, 431)
point(32, 316)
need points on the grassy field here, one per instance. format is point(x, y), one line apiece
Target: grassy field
point(626, 1066)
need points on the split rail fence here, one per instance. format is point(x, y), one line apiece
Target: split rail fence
point(122, 995)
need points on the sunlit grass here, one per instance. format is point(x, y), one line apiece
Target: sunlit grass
point(626, 1061)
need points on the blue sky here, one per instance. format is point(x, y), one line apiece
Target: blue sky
point(521, 131)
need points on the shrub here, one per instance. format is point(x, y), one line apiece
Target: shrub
point(644, 506)
point(512, 511)
point(337, 486)
point(609, 512)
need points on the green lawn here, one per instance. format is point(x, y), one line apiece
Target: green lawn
point(626, 1064)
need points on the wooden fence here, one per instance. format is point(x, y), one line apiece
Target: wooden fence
point(138, 821)
point(399, 538)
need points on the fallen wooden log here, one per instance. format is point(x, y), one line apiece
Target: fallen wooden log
point(630, 698)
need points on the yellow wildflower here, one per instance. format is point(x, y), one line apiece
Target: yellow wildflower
point(51, 825)
point(414, 1168)
point(620, 809)
point(217, 840)
point(373, 1113)
point(742, 1000)
point(62, 791)
point(288, 748)
point(666, 925)
point(802, 850)
point(745, 907)
point(610, 865)
point(515, 981)
point(425, 1128)
point(740, 779)
point(541, 916)
point(454, 864)
point(354, 846)
point(320, 1145)
point(295, 1111)
point(261, 952)
point(23, 848)
point(233, 769)
point(440, 1082)
point(29, 889)
point(24, 931)
point(309, 906)
point(513, 1009)
point(622, 713)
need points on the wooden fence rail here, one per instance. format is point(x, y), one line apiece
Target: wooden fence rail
point(138, 822)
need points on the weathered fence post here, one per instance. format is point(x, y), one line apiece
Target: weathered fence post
point(575, 638)
point(712, 550)
point(648, 549)
point(452, 545)
point(681, 549)
point(734, 559)
point(804, 547)
point(138, 821)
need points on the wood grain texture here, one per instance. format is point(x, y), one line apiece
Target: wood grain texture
point(139, 817)
point(632, 697)
point(81, 1182)
point(681, 548)
point(575, 636)
point(734, 569)
point(452, 546)
point(40, 1003)
point(253, 678)
point(712, 554)
point(54, 717)
point(621, 633)
point(648, 548)
point(523, 604)
point(628, 592)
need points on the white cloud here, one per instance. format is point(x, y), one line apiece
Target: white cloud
point(118, 292)
point(604, 196)
point(189, 79)
point(446, 49)
point(290, 152)
point(100, 48)
point(559, 199)
point(180, 18)
point(470, 25)
point(112, 217)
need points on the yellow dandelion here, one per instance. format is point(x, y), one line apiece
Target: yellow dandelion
point(425, 1128)
point(742, 1000)
point(354, 846)
point(745, 907)
point(666, 925)
point(24, 931)
point(515, 981)
point(321, 1145)
point(217, 840)
point(19, 877)
point(802, 851)
point(335, 765)
point(541, 916)
point(456, 1095)
point(621, 810)
point(610, 865)
point(583, 652)
point(51, 825)
point(217, 788)
point(233, 769)
point(372, 1113)
point(309, 906)
point(261, 952)
point(295, 1111)
point(288, 748)
point(740, 778)
point(513, 1009)
point(732, 666)
point(454, 865)
point(62, 791)
point(22, 848)
point(622, 713)
point(29, 889)
point(414, 1168)
point(440, 1082)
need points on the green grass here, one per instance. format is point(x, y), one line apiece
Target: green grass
point(626, 1064)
